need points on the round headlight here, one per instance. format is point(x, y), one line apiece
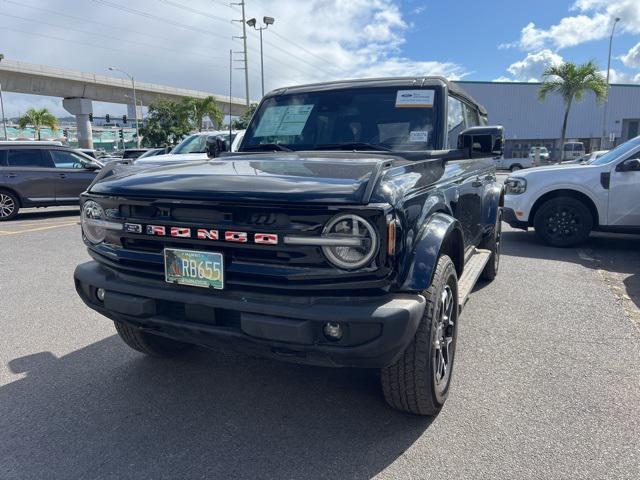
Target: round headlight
point(92, 216)
point(355, 241)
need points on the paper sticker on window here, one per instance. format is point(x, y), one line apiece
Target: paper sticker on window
point(419, 136)
point(282, 121)
point(415, 98)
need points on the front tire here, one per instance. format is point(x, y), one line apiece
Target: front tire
point(563, 222)
point(9, 205)
point(418, 382)
point(148, 343)
point(515, 168)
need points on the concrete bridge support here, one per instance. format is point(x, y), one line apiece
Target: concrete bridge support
point(81, 108)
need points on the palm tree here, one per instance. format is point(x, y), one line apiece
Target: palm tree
point(571, 81)
point(198, 108)
point(38, 119)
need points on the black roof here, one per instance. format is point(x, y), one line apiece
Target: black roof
point(411, 82)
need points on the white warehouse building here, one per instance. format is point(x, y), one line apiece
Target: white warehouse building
point(530, 122)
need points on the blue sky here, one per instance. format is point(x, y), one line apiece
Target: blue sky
point(469, 32)
point(186, 44)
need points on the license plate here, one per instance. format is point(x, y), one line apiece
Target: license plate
point(197, 269)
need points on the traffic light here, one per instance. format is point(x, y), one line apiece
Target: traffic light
point(121, 133)
point(65, 133)
point(107, 118)
point(91, 117)
point(124, 119)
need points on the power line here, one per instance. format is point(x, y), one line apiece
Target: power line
point(109, 48)
point(193, 10)
point(87, 20)
point(110, 37)
point(133, 11)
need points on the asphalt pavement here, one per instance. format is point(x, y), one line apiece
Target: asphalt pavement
point(546, 382)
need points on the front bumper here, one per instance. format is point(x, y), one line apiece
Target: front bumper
point(509, 216)
point(376, 329)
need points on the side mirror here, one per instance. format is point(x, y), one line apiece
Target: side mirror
point(482, 141)
point(631, 165)
point(92, 166)
point(216, 145)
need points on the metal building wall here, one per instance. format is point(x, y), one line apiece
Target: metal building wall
point(516, 106)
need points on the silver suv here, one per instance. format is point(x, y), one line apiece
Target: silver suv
point(42, 174)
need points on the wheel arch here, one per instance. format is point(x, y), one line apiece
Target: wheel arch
point(566, 192)
point(442, 234)
point(12, 191)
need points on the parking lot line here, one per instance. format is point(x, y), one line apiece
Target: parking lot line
point(4, 233)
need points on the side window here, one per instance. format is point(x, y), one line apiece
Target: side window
point(26, 157)
point(470, 116)
point(3, 158)
point(455, 122)
point(64, 159)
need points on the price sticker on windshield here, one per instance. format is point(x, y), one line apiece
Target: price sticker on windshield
point(415, 98)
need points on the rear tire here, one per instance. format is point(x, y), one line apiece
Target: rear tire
point(515, 168)
point(148, 343)
point(9, 205)
point(563, 222)
point(418, 382)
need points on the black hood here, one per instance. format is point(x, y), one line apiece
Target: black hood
point(283, 177)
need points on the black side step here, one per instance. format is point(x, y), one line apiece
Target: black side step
point(472, 270)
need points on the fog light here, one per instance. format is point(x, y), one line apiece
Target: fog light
point(100, 294)
point(333, 331)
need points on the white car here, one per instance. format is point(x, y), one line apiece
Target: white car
point(589, 157)
point(539, 155)
point(564, 203)
point(194, 147)
point(513, 164)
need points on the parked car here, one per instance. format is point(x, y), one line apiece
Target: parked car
point(539, 155)
point(133, 153)
point(572, 150)
point(152, 152)
point(587, 157)
point(42, 174)
point(194, 147)
point(513, 164)
point(564, 203)
point(348, 230)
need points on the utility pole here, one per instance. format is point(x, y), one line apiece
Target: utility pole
point(4, 120)
point(606, 100)
point(244, 41)
point(230, 91)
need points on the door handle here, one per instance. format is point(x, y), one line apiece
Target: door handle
point(11, 175)
point(63, 175)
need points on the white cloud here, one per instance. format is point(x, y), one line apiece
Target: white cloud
point(311, 41)
point(593, 21)
point(530, 68)
point(621, 77)
point(632, 57)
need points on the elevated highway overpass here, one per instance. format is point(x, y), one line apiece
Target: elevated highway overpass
point(79, 89)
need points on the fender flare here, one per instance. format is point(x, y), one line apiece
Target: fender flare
point(495, 199)
point(436, 234)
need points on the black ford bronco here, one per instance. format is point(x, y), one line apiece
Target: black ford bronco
point(348, 230)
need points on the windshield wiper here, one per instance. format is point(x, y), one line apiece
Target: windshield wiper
point(352, 146)
point(266, 146)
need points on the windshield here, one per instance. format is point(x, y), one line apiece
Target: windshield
point(358, 119)
point(197, 143)
point(619, 151)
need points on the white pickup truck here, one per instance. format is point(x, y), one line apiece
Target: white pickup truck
point(564, 203)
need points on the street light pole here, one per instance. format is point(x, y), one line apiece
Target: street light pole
point(606, 100)
point(4, 120)
point(135, 101)
point(252, 23)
